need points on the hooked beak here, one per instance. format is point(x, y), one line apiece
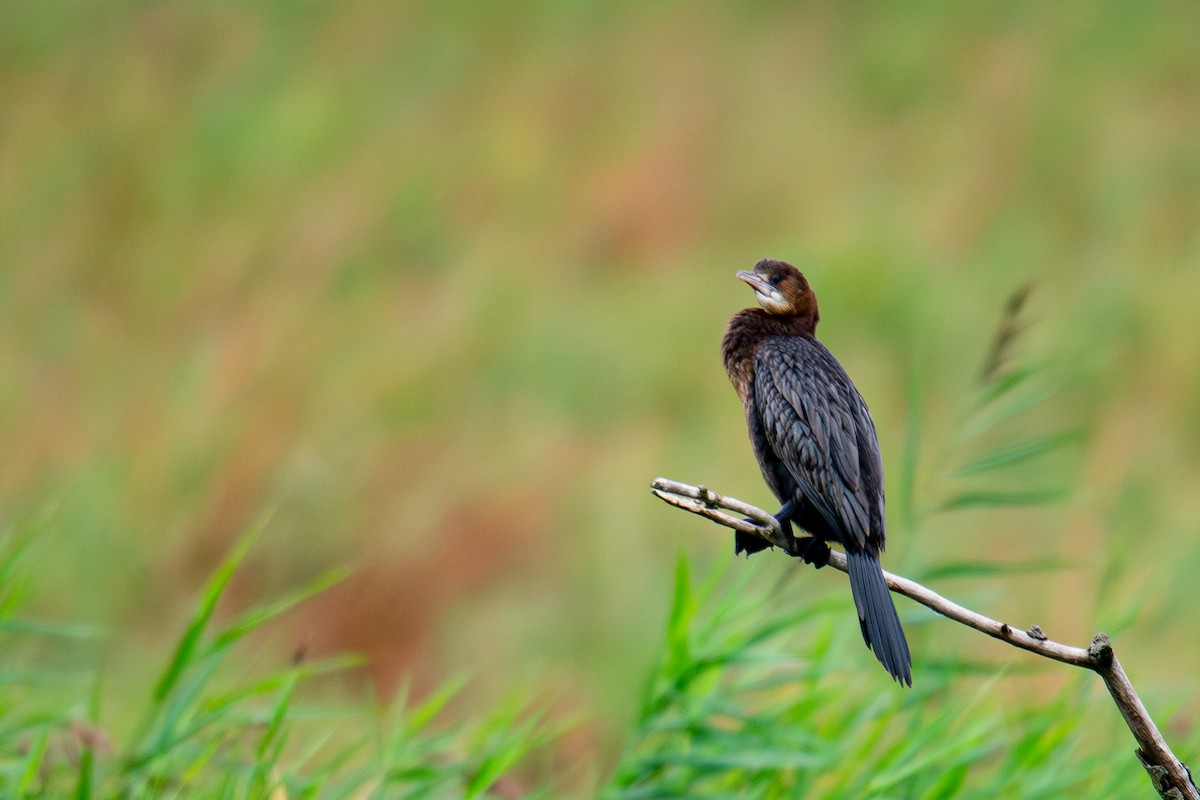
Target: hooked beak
point(756, 281)
point(769, 297)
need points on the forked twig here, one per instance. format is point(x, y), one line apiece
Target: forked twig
point(1171, 777)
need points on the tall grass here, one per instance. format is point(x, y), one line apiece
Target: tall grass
point(753, 696)
point(210, 728)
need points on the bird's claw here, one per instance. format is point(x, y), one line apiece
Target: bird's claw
point(748, 543)
point(812, 550)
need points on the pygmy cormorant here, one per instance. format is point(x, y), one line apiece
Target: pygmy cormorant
point(816, 445)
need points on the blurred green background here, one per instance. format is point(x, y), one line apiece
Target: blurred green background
point(443, 285)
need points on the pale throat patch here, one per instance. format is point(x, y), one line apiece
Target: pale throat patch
point(774, 302)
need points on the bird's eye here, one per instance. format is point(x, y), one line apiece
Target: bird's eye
point(775, 279)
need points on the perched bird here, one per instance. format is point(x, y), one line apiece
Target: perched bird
point(816, 446)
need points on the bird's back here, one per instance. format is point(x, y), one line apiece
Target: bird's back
point(816, 426)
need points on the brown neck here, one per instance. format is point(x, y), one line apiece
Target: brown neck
point(747, 330)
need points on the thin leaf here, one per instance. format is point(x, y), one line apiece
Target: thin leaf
point(1006, 383)
point(978, 569)
point(177, 710)
point(1018, 452)
point(189, 643)
point(984, 499)
point(514, 745)
point(273, 682)
point(758, 759)
point(83, 789)
point(57, 629)
point(193, 771)
point(422, 715)
point(682, 610)
point(10, 561)
point(256, 617)
point(989, 419)
point(272, 740)
point(33, 762)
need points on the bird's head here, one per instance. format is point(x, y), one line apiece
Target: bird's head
point(781, 289)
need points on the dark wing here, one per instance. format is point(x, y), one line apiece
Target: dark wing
point(817, 425)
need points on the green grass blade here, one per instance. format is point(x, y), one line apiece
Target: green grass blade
point(990, 418)
point(416, 719)
point(186, 651)
point(273, 738)
point(983, 569)
point(174, 712)
point(683, 608)
point(511, 743)
point(256, 617)
point(33, 763)
point(274, 682)
point(194, 770)
point(83, 790)
point(999, 498)
point(1019, 452)
point(57, 629)
point(1006, 383)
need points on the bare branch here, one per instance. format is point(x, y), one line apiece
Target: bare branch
point(1170, 776)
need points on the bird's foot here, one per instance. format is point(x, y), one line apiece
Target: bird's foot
point(748, 543)
point(812, 550)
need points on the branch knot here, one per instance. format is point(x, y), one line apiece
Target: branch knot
point(1100, 651)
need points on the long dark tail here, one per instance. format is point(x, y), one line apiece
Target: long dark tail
point(877, 615)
